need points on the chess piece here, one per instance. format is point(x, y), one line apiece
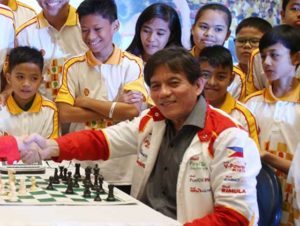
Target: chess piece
point(65, 174)
point(77, 171)
point(110, 196)
point(87, 192)
point(70, 187)
point(2, 189)
point(76, 185)
point(22, 187)
point(55, 177)
point(61, 169)
point(87, 179)
point(97, 197)
point(50, 185)
point(95, 187)
point(101, 190)
point(96, 170)
point(13, 194)
point(33, 187)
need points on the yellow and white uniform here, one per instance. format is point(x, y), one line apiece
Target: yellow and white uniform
point(41, 118)
point(294, 179)
point(57, 46)
point(22, 12)
point(279, 123)
point(86, 76)
point(7, 36)
point(238, 86)
point(242, 114)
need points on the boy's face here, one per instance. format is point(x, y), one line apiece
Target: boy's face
point(52, 7)
point(291, 15)
point(97, 33)
point(25, 80)
point(246, 41)
point(278, 63)
point(210, 29)
point(218, 79)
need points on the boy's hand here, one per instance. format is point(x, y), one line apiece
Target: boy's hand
point(131, 97)
point(81, 101)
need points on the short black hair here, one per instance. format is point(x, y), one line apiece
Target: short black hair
point(285, 34)
point(177, 59)
point(284, 4)
point(216, 56)
point(25, 54)
point(164, 12)
point(105, 8)
point(255, 22)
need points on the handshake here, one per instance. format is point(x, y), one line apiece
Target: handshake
point(35, 148)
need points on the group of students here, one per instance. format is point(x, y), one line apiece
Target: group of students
point(183, 157)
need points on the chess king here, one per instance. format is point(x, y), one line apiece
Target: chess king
point(185, 149)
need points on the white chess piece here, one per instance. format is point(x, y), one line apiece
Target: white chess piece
point(2, 189)
point(22, 187)
point(13, 194)
point(33, 184)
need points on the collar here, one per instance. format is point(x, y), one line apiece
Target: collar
point(114, 59)
point(193, 51)
point(13, 5)
point(72, 19)
point(229, 104)
point(14, 108)
point(292, 96)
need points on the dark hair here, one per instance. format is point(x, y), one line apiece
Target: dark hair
point(105, 8)
point(255, 22)
point(285, 34)
point(25, 54)
point(284, 4)
point(212, 6)
point(216, 56)
point(164, 12)
point(177, 59)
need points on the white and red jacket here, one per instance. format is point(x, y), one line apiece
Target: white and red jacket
point(217, 177)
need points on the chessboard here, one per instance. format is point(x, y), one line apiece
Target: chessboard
point(57, 195)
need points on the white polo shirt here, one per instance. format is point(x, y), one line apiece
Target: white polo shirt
point(41, 118)
point(86, 76)
point(7, 34)
point(238, 86)
point(57, 45)
point(21, 11)
point(279, 123)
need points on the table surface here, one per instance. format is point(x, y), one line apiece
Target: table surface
point(136, 214)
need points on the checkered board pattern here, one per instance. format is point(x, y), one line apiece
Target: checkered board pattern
point(42, 196)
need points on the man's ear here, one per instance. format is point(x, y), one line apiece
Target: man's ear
point(200, 85)
point(116, 25)
point(282, 14)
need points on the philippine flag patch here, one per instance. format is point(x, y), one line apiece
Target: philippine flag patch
point(235, 152)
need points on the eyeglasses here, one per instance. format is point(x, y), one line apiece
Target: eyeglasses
point(254, 42)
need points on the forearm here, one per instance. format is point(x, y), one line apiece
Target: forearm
point(220, 217)
point(276, 162)
point(68, 114)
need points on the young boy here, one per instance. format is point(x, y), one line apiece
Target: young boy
point(7, 38)
point(21, 11)
point(56, 32)
point(216, 66)
point(248, 33)
point(94, 83)
point(277, 107)
point(26, 111)
point(256, 79)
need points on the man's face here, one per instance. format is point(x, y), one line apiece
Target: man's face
point(52, 7)
point(291, 15)
point(97, 33)
point(173, 94)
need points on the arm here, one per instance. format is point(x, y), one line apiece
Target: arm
point(276, 161)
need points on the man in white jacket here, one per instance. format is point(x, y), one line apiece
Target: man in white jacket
point(194, 163)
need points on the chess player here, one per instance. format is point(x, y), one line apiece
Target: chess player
point(194, 163)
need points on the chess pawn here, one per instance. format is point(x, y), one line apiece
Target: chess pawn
point(33, 187)
point(13, 194)
point(22, 187)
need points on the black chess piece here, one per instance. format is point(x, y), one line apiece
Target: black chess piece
point(77, 171)
point(64, 178)
point(101, 190)
point(96, 170)
point(76, 184)
point(110, 196)
point(55, 177)
point(95, 185)
point(70, 187)
point(97, 197)
point(87, 180)
point(50, 185)
point(61, 169)
point(87, 192)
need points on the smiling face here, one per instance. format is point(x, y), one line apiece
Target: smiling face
point(291, 15)
point(246, 41)
point(155, 35)
point(210, 29)
point(218, 79)
point(25, 80)
point(53, 7)
point(97, 33)
point(173, 94)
